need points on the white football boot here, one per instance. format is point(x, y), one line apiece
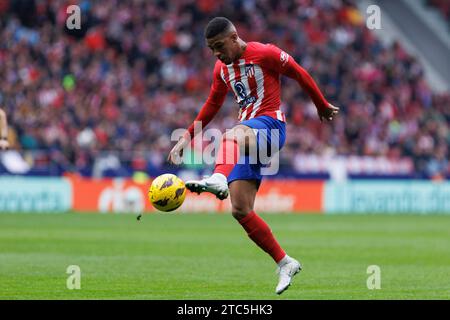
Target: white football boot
point(216, 184)
point(287, 268)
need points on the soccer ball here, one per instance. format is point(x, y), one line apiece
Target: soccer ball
point(167, 192)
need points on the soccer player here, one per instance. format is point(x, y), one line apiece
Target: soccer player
point(4, 144)
point(251, 70)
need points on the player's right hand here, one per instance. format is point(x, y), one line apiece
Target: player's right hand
point(177, 151)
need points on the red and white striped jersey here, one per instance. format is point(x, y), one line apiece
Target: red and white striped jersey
point(254, 80)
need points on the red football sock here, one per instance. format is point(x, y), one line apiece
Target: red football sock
point(258, 230)
point(227, 157)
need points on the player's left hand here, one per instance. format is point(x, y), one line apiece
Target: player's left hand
point(328, 113)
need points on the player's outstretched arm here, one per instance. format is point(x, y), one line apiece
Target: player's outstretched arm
point(286, 65)
point(4, 144)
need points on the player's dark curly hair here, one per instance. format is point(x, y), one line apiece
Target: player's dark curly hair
point(216, 26)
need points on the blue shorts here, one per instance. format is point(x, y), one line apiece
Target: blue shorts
point(270, 138)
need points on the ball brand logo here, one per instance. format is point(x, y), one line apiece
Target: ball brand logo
point(167, 183)
point(120, 199)
point(162, 202)
point(179, 192)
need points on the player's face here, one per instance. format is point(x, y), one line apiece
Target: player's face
point(224, 47)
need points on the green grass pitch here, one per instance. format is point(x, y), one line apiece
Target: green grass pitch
point(209, 256)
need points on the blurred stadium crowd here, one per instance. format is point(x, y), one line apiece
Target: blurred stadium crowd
point(139, 69)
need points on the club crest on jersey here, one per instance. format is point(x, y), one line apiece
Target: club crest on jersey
point(249, 70)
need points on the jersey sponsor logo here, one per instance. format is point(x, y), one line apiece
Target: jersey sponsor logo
point(245, 99)
point(284, 58)
point(249, 70)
